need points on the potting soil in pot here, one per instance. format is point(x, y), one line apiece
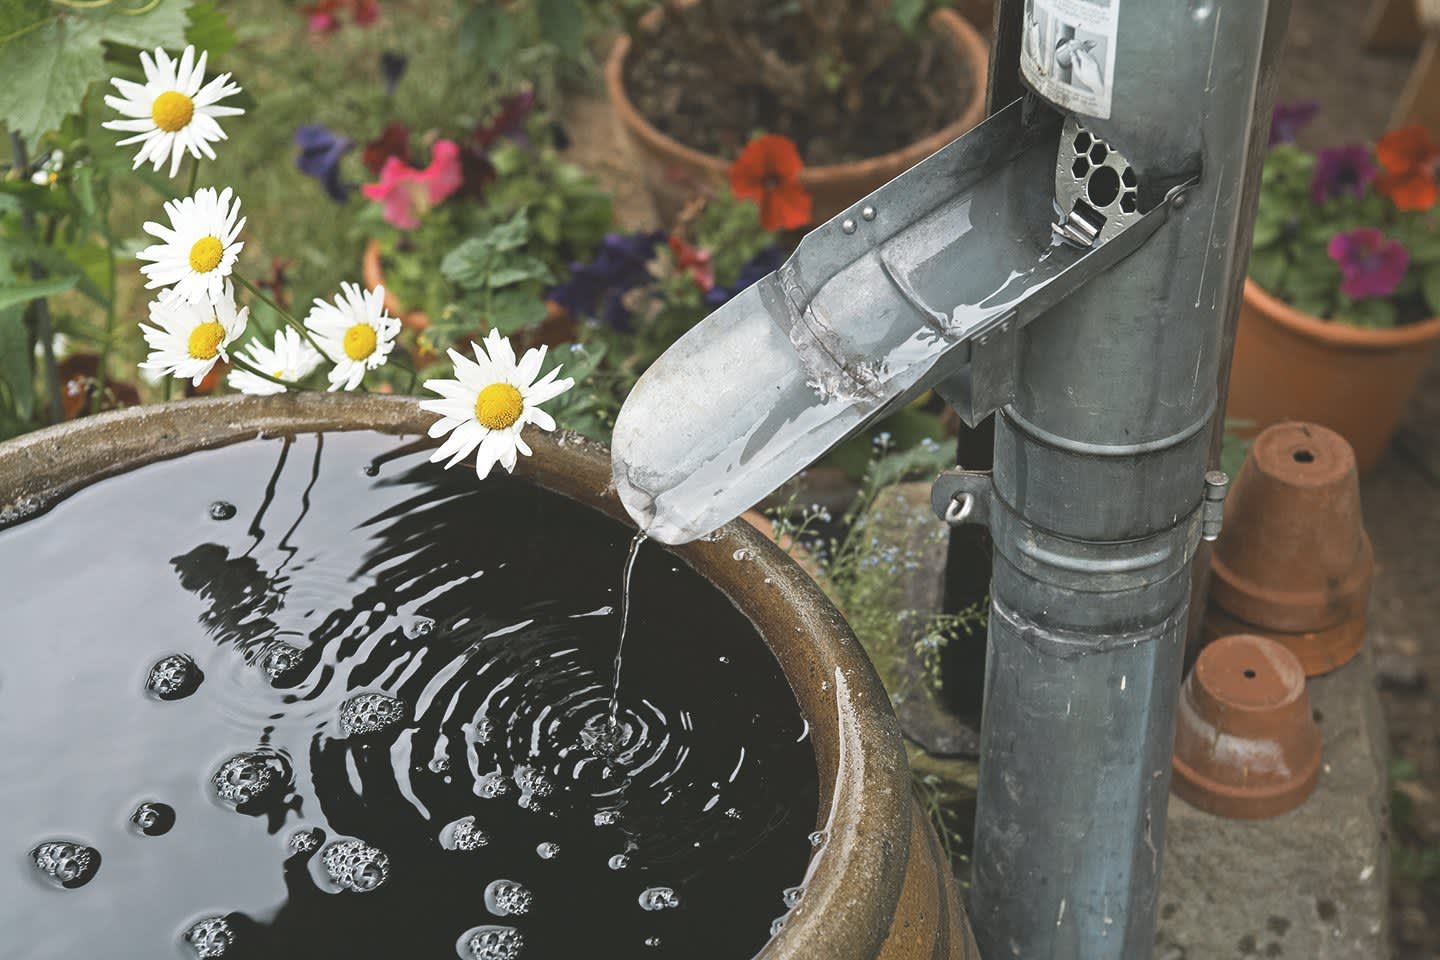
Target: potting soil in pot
point(319, 698)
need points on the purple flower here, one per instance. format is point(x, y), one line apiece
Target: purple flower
point(620, 265)
point(392, 68)
point(319, 157)
point(1372, 266)
point(1342, 170)
point(766, 261)
point(509, 122)
point(1288, 119)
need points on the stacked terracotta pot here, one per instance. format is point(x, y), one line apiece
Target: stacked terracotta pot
point(1290, 582)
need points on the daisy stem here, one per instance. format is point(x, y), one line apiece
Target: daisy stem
point(237, 362)
point(303, 330)
point(194, 175)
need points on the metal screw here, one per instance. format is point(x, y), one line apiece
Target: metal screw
point(1212, 515)
point(868, 213)
point(848, 226)
point(1179, 201)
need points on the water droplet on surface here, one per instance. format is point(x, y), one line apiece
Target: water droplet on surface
point(659, 898)
point(792, 895)
point(153, 819)
point(355, 865)
point(210, 937)
point(777, 925)
point(439, 764)
point(371, 469)
point(817, 838)
point(370, 713)
point(419, 627)
point(304, 841)
point(607, 818)
point(732, 813)
point(463, 835)
point(619, 862)
point(493, 943)
point(279, 659)
point(66, 863)
point(246, 777)
point(724, 659)
point(491, 785)
point(222, 510)
point(482, 731)
point(548, 851)
point(603, 739)
point(742, 554)
point(652, 941)
point(506, 898)
point(174, 677)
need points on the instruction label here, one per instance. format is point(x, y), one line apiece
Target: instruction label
point(1068, 52)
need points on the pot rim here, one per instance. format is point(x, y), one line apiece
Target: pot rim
point(950, 24)
point(1339, 334)
point(853, 886)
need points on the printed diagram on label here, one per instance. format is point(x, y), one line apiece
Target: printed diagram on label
point(1068, 52)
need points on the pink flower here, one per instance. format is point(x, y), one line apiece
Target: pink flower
point(407, 193)
point(1371, 265)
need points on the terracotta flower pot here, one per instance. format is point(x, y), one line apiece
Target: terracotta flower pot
point(1246, 744)
point(1294, 563)
point(1293, 366)
point(557, 328)
point(880, 889)
point(673, 168)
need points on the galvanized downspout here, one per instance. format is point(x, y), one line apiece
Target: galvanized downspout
point(1096, 506)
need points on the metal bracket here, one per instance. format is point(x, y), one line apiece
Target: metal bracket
point(962, 497)
point(1212, 517)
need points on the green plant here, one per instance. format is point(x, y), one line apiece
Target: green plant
point(1339, 237)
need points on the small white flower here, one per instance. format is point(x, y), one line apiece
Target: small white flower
point(291, 359)
point(171, 113)
point(188, 338)
point(354, 331)
point(198, 250)
point(490, 402)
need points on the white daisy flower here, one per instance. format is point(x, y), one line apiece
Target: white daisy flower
point(188, 338)
point(171, 113)
point(490, 402)
point(290, 359)
point(354, 331)
point(198, 250)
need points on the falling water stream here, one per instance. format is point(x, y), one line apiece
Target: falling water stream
point(313, 697)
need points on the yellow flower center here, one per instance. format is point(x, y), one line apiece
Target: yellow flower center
point(498, 406)
point(172, 110)
point(205, 255)
point(359, 341)
point(205, 340)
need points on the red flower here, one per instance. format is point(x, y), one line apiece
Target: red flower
point(394, 141)
point(768, 172)
point(694, 260)
point(324, 15)
point(1409, 157)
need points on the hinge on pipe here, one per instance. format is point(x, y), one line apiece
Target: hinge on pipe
point(962, 497)
point(1212, 517)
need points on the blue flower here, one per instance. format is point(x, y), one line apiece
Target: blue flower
point(755, 269)
point(319, 157)
point(619, 266)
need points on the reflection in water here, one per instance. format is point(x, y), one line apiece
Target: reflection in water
point(400, 666)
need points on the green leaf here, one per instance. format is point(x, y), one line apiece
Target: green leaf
point(208, 29)
point(1430, 287)
point(513, 310)
point(12, 295)
point(1366, 313)
point(15, 356)
point(519, 269)
point(511, 234)
point(44, 76)
point(487, 35)
point(907, 13)
point(562, 23)
point(49, 55)
point(1268, 268)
